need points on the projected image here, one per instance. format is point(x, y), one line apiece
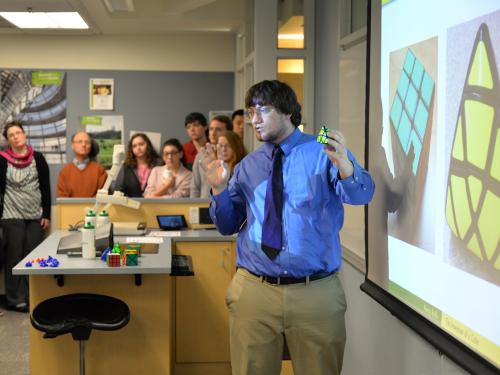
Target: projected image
point(473, 186)
point(434, 152)
point(412, 79)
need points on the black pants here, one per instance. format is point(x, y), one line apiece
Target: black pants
point(20, 237)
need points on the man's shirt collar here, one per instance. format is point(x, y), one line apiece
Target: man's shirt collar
point(288, 143)
point(81, 165)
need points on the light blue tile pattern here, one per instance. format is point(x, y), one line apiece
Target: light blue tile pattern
point(411, 101)
point(404, 132)
point(397, 108)
point(410, 107)
point(427, 88)
point(421, 116)
point(403, 85)
point(408, 65)
point(418, 72)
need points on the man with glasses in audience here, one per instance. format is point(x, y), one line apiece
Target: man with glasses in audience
point(196, 128)
point(285, 201)
point(83, 176)
point(200, 188)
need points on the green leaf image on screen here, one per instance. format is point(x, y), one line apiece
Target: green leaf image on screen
point(410, 108)
point(473, 193)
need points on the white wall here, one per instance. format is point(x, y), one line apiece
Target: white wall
point(377, 342)
point(194, 52)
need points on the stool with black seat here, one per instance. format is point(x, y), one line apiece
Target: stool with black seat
point(79, 314)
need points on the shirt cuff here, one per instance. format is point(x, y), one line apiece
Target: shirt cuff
point(354, 180)
point(224, 195)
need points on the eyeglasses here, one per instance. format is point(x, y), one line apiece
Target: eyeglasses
point(224, 147)
point(14, 134)
point(260, 111)
point(171, 154)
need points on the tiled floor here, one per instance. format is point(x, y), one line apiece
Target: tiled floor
point(14, 350)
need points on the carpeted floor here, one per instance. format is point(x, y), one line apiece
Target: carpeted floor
point(14, 350)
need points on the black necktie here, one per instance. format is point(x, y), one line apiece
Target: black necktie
point(273, 207)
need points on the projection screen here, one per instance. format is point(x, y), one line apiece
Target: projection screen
point(433, 148)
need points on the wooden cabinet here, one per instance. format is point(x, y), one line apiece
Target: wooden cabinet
point(201, 341)
point(201, 337)
point(143, 346)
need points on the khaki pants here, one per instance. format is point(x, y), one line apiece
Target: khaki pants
point(310, 315)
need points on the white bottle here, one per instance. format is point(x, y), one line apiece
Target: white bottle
point(167, 173)
point(103, 218)
point(90, 218)
point(88, 241)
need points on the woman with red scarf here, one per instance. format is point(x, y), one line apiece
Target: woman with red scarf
point(24, 208)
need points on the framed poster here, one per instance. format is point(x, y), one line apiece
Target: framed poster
point(101, 94)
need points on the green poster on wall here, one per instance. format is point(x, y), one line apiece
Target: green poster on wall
point(90, 120)
point(46, 78)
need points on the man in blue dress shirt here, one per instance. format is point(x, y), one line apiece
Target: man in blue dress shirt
point(295, 294)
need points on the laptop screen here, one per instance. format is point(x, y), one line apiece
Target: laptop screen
point(171, 222)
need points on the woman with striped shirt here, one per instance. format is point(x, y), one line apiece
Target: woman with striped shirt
point(24, 208)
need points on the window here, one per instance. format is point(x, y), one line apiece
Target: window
point(291, 24)
point(353, 21)
point(291, 71)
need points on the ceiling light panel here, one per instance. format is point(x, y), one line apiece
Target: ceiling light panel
point(45, 20)
point(68, 20)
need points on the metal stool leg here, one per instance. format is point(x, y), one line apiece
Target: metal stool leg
point(82, 357)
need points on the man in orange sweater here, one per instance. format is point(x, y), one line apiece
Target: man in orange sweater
point(83, 176)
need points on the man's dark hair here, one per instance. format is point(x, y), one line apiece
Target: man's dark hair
point(224, 119)
point(277, 94)
point(195, 116)
point(11, 125)
point(238, 112)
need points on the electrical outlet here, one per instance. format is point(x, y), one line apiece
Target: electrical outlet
point(194, 216)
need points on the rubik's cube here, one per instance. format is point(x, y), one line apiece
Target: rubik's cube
point(473, 194)
point(323, 135)
point(410, 110)
point(113, 260)
point(136, 248)
point(131, 259)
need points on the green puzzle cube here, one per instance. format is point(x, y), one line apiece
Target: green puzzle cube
point(132, 259)
point(323, 135)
